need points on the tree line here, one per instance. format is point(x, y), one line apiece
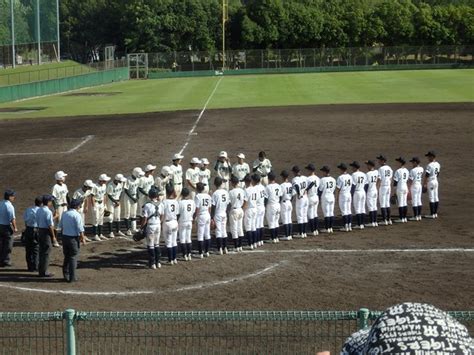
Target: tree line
point(171, 25)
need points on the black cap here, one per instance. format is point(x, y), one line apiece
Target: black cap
point(295, 169)
point(341, 166)
point(401, 160)
point(271, 176)
point(382, 157)
point(218, 181)
point(284, 174)
point(370, 162)
point(431, 153)
point(355, 164)
point(47, 198)
point(310, 167)
point(415, 160)
point(75, 203)
point(9, 193)
point(325, 168)
point(185, 192)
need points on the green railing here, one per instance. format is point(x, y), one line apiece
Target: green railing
point(249, 332)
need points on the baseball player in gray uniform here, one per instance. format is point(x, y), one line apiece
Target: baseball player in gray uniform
point(223, 169)
point(145, 184)
point(262, 166)
point(99, 192)
point(430, 183)
point(114, 195)
point(205, 174)
point(241, 169)
point(177, 175)
point(192, 176)
point(130, 200)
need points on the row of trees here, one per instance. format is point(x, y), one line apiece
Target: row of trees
point(168, 25)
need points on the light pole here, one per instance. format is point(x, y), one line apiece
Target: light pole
point(225, 18)
point(12, 14)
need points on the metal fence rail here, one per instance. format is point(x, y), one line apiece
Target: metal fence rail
point(265, 332)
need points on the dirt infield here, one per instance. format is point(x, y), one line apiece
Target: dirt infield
point(343, 271)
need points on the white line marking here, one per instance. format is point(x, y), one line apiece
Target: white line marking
point(191, 132)
point(364, 251)
point(70, 151)
point(147, 292)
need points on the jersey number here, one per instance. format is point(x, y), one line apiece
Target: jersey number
point(329, 185)
point(188, 208)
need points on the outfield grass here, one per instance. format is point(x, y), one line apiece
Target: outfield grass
point(29, 73)
point(262, 90)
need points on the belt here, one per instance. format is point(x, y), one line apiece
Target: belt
point(178, 183)
point(98, 201)
point(170, 220)
point(69, 236)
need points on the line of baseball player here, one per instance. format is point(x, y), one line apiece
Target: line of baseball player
point(245, 198)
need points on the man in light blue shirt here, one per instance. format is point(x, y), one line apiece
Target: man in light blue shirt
point(46, 233)
point(31, 235)
point(72, 237)
point(7, 227)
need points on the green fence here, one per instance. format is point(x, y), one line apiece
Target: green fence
point(54, 86)
point(266, 332)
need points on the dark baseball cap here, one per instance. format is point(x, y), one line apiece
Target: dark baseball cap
point(341, 166)
point(325, 168)
point(218, 181)
point(370, 162)
point(284, 174)
point(415, 160)
point(355, 164)
point(271, 176)
point(310, 167)
point(401, 160)
point(75, 203)
point(431, 153)
point(295, 169)
point(381, 157)
point(47, 198)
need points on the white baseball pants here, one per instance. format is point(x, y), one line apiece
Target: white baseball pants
point(416, 194)
point(285, 212)
point(433, 191)
point(260, 219)
point(221, 226)
point(236, 219)
point(184, 230)
point(345, 201)
point(402, 195)
point(327, 204)
point(98, 214)
point(250, 219)
point(204, 227)
point(153, 235)
point(372, 200)
point(170, 230)
point(384, 196)
point(313, 202)
point(301, 206)
point(129, 208)
point(273, 215)
point(114, 212)
point(359, 202)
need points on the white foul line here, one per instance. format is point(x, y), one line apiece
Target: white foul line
point(147, 292)
point(363, 251)
point(191, 132)
point(72, 150)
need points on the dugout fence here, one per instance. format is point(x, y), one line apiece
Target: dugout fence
point(249, 332)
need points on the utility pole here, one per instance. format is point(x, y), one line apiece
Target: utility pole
point(225, 18)
point(12, 30)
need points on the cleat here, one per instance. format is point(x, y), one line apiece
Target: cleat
point(186, 258)
point(390, 222)
point(251, 247)
point(201, 256)
point(102, 237)
point(129, 233)
point(175, 262)
point(207, 254)
point(189, 257)
point(96, 238)
point(111, 235)
point(315, 233)
point(120, 233)
point(56, 244)
point(220, 251)
point(385, 222)
point(158, 265)
point(305, 235)
point(361, 226)
point(226, 251)
point(376, 224)
point(153, 267)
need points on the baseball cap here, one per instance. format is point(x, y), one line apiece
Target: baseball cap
point(88, 183)
point(415, 160)
point(284, 174)
point(325, 168)
point(310, 167)
point(431, 153)
point(195, 161)
point(223, 154)
point(241, 155)
point(370, 162)
point(75, 203)
point(295, 169)
point(204, 161)
point(355, 164)
point(381, 157)
point(177, 156)
point(165, 170)
point(150, 167)
point(138, 172)
point(60, 175)
point(104, 177)
point(341, 166)
point(401, 160)
point(120, 177)
point(47, 198)
point(271, 176)
point(218, 181)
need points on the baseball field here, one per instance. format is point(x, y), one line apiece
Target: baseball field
point(297, 119)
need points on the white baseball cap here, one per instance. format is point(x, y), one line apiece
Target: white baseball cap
point(60, 175)
point(150, 167)
point(104, 177)
point(120, 177)
point(177, 156)
point(138, 172)
point(223, 154)
point(204, 161)
point(165, 170)
point(241, 155)
point(195, 161)
point(88, 183)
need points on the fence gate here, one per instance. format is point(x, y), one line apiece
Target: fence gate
point(138, 65)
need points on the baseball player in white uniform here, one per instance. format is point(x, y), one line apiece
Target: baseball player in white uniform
point(162, 180)
point(114, 195)
point(262, 166)
point(60, 193)
point(400, 182)
point(386, 174)
point(286, 207)
point(203, 219)
point(152, 213)
point(99, 192)
point(373, 178)
point(170, 224)
point(145, 184)
point(344, 196)
point(359, 185)
point(313, 198)
point(260, 222)
point(187, 207)
point(273, 193)
point(236, 213)
point(223, 169)
point(205, 174)
point(192, 176)
point(177, 174)
point(326, 196)
point(431, 183)
point(130, 200)
point(415, 185)
point(220, 202)
point(250, 210)
point(300, 184)
point(241, 169)
point(84, 194)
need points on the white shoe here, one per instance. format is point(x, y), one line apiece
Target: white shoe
point(315, 233)
point(412, 219)
point(385, 222)
point(186, 258)
point(153, 267)
point(96, 238)
point(201, 256)
point(390, 222)
point(255, 246)
point(120, 233)
point(399, 221)
point(189, 257)
point(175, 262)
point(251, 247)
point(56, 244)
point(278, 240)
point(158, 266)
point(207, 254)
point(361, 226)
point(331, 230)
point(129, 233)
point(102, 237)
point(111, 235)
point(220, 251)
point(226, 250)
point(305, 235)
point(436, 215)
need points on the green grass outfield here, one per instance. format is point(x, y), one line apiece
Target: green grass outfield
point(261, 90)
